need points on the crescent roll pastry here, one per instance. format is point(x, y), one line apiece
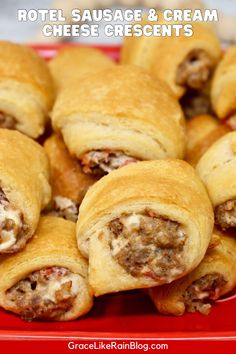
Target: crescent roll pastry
point(69, 182)
point(217, 169)
point(202, 132)
point(182, 62)
point(145, 224)
point(71, 63)
point(24, 188)
point(48, 279)
point(119, 116)
point(26, 89)
point(214, 277)
point(223, 94)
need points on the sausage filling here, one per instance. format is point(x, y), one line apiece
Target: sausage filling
point(101, 162)
point(225, 214)
point(195, 70)
point(12, 226)
point(201, 293)
point(195, 103)
point(7, 121)
point(64, 208)
point(148, 245)
point(44, 294)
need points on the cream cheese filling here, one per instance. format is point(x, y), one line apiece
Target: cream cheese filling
point(8, 237)
point(49, 289)
point(148, 245)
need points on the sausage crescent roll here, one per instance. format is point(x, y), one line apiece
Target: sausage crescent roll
point(144, 224)
point(119, 116)
point(42, 282)
point(217, 169)
point(202, 132)
point(223, 94)
point(70, 64)
point(24, 188)
point(26, 89)
point(69, 182)
point(214, 277)
point(182, 62)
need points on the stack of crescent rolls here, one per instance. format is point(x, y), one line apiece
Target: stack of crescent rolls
point(131, 187)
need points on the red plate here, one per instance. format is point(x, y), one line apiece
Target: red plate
point(129, 315)
point(124, 316)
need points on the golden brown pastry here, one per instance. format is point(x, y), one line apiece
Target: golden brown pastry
point(24, 188)
point(214, 277)
point(223, 94)
point(182, 62)
point(145, 224)
point(202, 132)
point(48, 279)
point(217, 169)
point(69, 182)
point(119, 116)
point(26, 89)
point(71, 63)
